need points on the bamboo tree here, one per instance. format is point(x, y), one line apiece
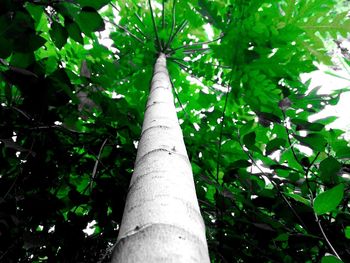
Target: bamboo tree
point(161, 220)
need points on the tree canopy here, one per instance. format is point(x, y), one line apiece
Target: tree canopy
point(74, 77)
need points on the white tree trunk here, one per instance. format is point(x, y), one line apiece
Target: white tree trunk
point(161, 220)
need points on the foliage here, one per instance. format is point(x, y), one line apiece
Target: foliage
point(72, 108)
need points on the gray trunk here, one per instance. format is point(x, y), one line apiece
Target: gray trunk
point(161, 220)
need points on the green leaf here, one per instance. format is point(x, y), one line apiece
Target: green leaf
point(343, 152)
point(329, 200)
point(314, 140)
point(305, 125)
point(5, 42)
point(74, 32)
point(22, 60)
point(96, 4)
point(330, 259)
point(249, 139)
point(327, 120)
point(58, 35)
point(241, 164)
point(8, 93)
point(246, 128)
point(329, 168)
point(89, 21)
point(33, 42)
point(298, 198)
point(339, 24)
point(347, 232)
point(268, 117)
point(274, 145)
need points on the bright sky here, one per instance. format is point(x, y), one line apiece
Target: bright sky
point(328, 84)
point(338, 79)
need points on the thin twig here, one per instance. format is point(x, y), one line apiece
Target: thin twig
point(221, 132)
point(274, 184)
point(8, 250)
point(115, 7)
point(288, 138)
point(307, 174)
point(312, 205)
point(94, 171)
point(27, 116)
point(326, 238)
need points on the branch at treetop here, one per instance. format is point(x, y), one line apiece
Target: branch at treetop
point(172, 26)
point(182, 26)
point(163, 14)
point(186, 69)
point(197, 44)
point(178, 98)
point(155, 26)
point(125, 30)
point(139, 18)
point(191, 51)
point(140, 31)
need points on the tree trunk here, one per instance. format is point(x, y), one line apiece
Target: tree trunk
point(161, 220)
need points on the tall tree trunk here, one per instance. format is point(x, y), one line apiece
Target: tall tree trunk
point(161, 220)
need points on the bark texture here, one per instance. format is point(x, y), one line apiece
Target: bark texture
point(161, 220)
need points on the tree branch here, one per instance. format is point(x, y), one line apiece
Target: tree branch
point(187, 70)
point(155, 27)
point(172, 26)
point(115, 7)
point(197, 44)
point(163, 14)
point(191, 51)
point(178, 98)
point(182, 26)
point(125, 30)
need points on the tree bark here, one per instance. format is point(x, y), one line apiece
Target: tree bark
point(161, 220)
